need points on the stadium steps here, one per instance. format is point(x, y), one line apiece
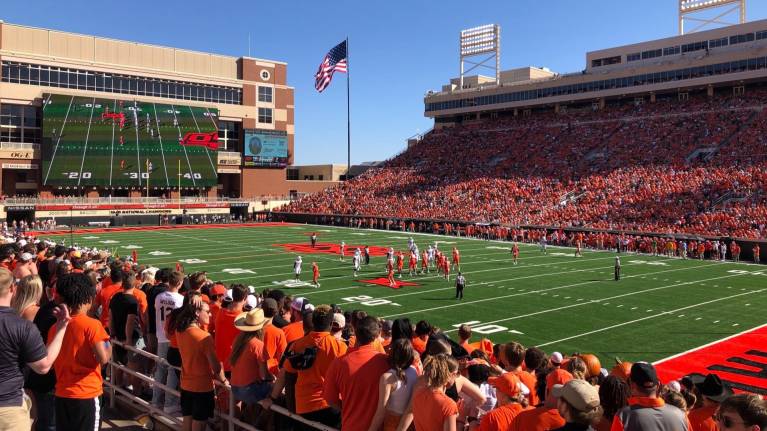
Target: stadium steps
point(708, 153)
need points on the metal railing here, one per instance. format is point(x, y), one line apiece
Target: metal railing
point(230, 416)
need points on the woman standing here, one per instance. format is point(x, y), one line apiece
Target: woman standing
point(432, 410)
point(199, 364)
point(249, 372)
point(395, 388)
point(26, 300)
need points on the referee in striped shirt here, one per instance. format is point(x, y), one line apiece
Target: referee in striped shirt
point(460, 283)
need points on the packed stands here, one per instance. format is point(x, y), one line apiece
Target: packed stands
point(695, 166)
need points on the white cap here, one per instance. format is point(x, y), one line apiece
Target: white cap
point(22, 243)
point(252, 301)
point(556, 358)
point(308, 307)
point(27, 256)
point(228, 295)
point(298, 303)
point(339, 320)
point(675, 386)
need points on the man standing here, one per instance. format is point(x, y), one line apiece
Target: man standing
point(367, 255)
point(21, 345)
point(617, 268)
point(351, 377)
point(164, 303)
point(713, 391)
point(297, 267)
point(315, 274)
point(314, 239)
point(460, 283)
point(646, 411)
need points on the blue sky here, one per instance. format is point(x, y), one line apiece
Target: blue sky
point(398, 49)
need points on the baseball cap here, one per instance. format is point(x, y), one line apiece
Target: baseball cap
point(578, 393)
point(218, 289)
point(644, 375)
point(298, 303)
point(308, 308)
point(252, 301)
point(557, 377)
point(507, 383)
point(556, 358)
point(339, 320)
point(270, 304)
point(27, 256)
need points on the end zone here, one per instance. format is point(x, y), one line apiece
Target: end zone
point(740, 360)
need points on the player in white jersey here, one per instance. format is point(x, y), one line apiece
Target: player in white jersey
point(543, 243)
point(390, 254)
point(297, 266)
point(430, 254)
point(343, 250)
point(410, 243)
point(356, 260)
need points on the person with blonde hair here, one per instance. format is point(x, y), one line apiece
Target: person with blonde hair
point(430, 407)
point(26, 300)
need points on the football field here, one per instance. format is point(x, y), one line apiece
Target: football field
point(660, 307)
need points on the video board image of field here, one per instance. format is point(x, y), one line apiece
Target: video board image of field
point(120, 143)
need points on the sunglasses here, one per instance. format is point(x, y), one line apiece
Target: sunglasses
point(726, 421)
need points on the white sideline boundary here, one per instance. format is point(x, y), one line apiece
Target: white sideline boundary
point(694, 349)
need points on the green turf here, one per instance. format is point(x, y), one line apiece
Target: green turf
point(661, 307)
point(89, 152)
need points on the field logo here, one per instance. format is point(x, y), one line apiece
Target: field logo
point(330, 248)
point(209, 140)
point(383, 281)
point(740, 361)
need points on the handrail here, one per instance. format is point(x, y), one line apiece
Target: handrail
point(137, 200)
point(229, 416)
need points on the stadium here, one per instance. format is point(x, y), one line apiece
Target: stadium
point(571, 250)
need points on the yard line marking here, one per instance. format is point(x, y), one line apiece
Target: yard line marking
point(607, 328)
point(413, 312)
point(162, 150)
point(87, 136)
point(58, 139)
point(716, 321)
point(178, 127)
point(112, 154)
point(138, 154)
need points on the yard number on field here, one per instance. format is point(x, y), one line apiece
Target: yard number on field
point(480, 328)
point(76, 175)
point(238, 271)
point(369, 301)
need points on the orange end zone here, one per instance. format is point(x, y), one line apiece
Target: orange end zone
point(740, 360)
point(147, 228)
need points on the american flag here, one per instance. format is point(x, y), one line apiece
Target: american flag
point(334, 61)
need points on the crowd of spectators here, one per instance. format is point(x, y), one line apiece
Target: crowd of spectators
point(695, 167)
point(340, 368)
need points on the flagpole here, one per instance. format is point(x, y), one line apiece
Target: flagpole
point(348, 117)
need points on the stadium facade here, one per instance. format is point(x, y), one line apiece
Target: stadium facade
point(724, 59)
point(89, 116)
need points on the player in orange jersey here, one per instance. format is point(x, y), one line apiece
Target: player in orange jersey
point(515, 252)
point(122, 165)
point(390, 275)
point(578, 249)
point(412, 263)
point(315, 274)
point(456, 258)
point(446, 268)
point(756, 253)
point(400, 263)
point(424, 262)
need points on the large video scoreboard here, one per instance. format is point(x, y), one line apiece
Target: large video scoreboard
point(125, 143)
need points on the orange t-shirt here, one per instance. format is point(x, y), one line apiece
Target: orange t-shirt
point(431, 408)
point(78, 373)
point(377, 345)
point(419, 345)
point(143, 305)
point(353, 378)
point(293, 331)
point(538, 419)
point(194, 345)
point(469, 348)
point(275, 344)
point(530, 381)
point(247, 369)
point(215, 307)
point(701, 419)
point(225, 334)
point(102, 300)
point(500, 418)
point(310, 382)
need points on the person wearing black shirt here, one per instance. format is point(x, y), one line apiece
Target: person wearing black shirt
point(42, 385)
point(151, 294)
point(124, 324)
point(20, 345)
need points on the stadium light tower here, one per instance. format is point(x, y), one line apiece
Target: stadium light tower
point(690, 10)
point(482, 40)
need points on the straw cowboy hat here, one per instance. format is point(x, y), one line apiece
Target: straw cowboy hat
point(252, 320)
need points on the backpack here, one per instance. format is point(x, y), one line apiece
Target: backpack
point(304, 360)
